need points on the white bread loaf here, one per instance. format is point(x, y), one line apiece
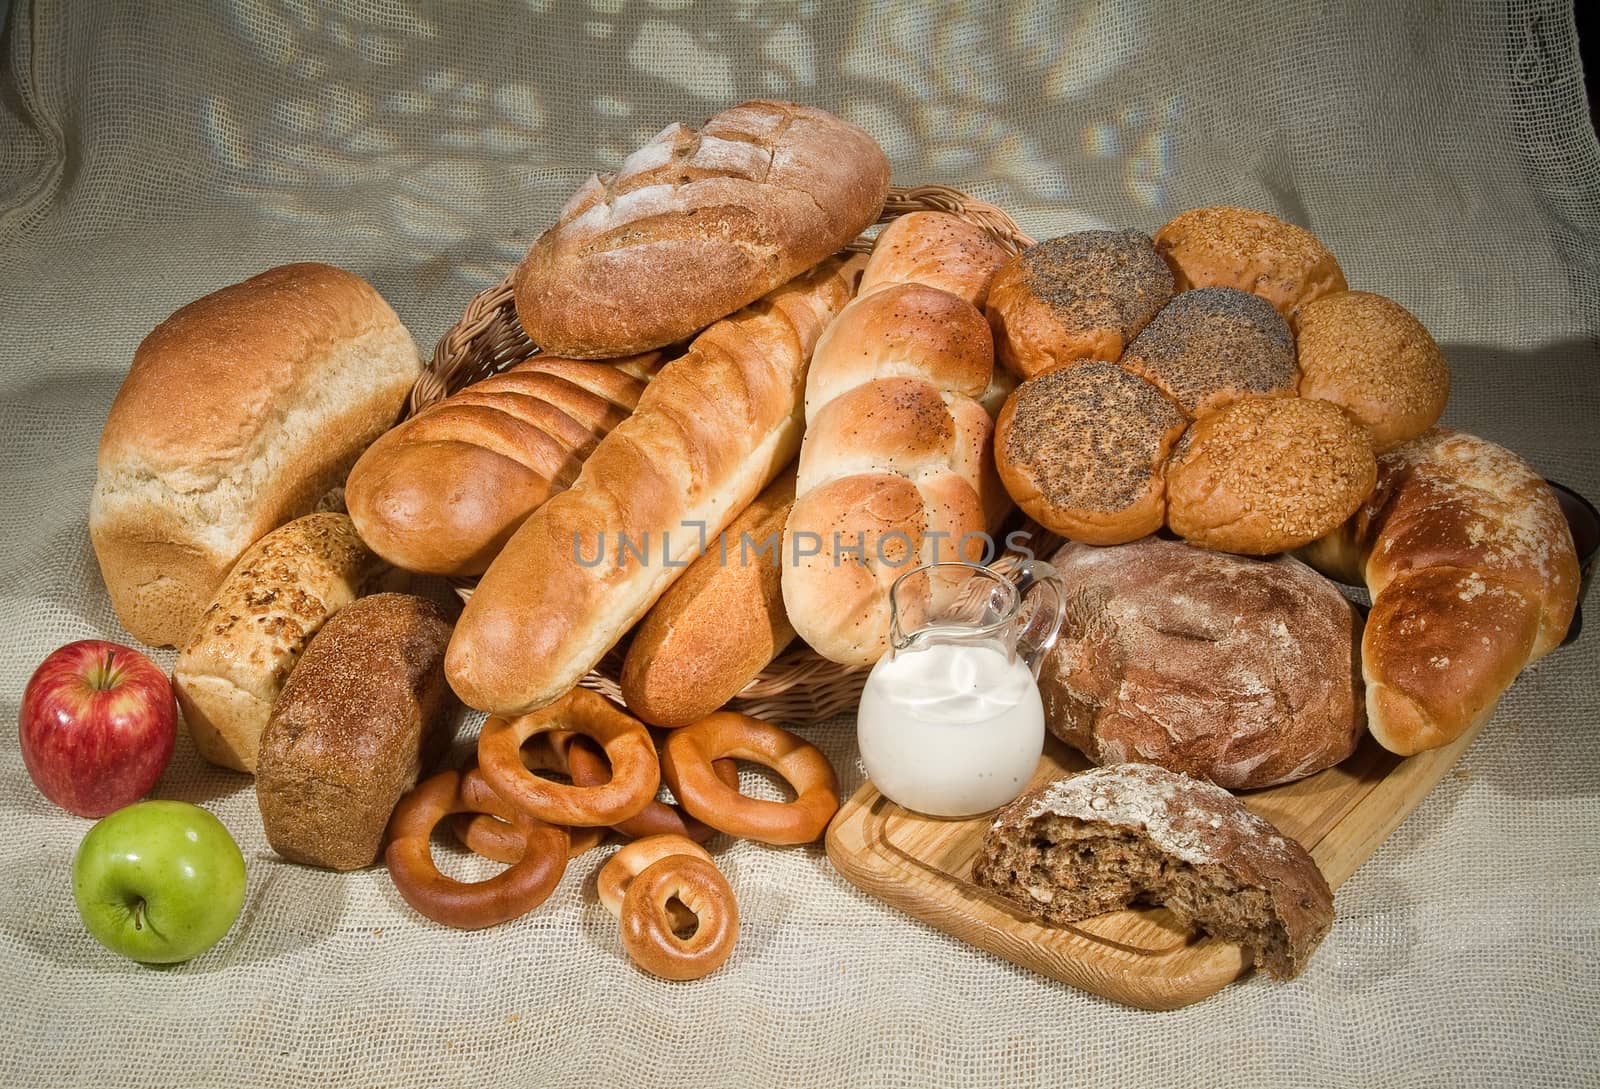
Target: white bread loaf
point(897, 468)
point(711, 431)
point(275, 599)
point(240, 412)
point(1473, 575)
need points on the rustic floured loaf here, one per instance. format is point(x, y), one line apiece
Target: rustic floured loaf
point(240, 412)
point(697, 224)
point(1131, 834)
point(1242, 671)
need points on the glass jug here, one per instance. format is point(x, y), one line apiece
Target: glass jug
point(950, 722)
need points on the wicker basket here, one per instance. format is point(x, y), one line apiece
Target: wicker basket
point(799, 685)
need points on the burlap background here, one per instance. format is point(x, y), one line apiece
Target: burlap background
point(152, 152)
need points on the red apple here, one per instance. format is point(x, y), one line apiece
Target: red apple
point(98, 722)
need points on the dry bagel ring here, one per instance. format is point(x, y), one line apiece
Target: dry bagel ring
point(588, 768)
point(487, 835)
point(686, 764)
point(635, 772)
point(469, 905)
point(646, 925)
point(611, 883)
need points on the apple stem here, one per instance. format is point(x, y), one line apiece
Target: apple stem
point(106, 674)
point(138, 915)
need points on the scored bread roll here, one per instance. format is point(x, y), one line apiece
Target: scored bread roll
point(275, 599)
point(1268, 475)
point(719, 624)
point(1080, 296)
point(441, 493)
point(712, 430)
point(362, 717)
point(1082, 449)
point(1473, 576)
point(1253, 251)
point(697, 224)
point(1370, 356)
point(897, 464)
point(1212, 346)
point(241, 411)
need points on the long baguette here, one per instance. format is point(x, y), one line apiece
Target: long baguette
point(711, 431)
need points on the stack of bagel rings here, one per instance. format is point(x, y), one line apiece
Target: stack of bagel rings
point(551, 785)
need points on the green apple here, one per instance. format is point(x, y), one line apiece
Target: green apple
point(158, 882)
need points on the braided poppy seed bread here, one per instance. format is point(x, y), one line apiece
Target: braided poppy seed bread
point(695, 225)
point(1250, 250)
point(1080, 296)
point(1242, 671)
point(1129, 834)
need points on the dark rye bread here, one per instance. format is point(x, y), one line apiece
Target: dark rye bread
point(1242, 671)
point(1215, 345)
point(695, 225)
point(1080, 296)
point(1082, 450)
point(1131, 834)
point(364, 714)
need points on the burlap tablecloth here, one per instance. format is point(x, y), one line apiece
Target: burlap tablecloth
point(152, 152)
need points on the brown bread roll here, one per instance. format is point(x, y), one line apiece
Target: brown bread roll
point(1268, 475)
point(1242, 671)
point(697, 224)
point(1212, 346)
point(1131, 834)
point(1082, 449)
point(1473, 575)
point(719, 625)
point(1080, 296)
point(275, 599)
point(241, 412)
point(937, 250)
point(362, 717)
point(1370, 356)
point(1249, 250)
point(715, 427)
point(443, 492)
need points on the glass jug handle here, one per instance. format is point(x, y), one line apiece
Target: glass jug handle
point(1037, 579)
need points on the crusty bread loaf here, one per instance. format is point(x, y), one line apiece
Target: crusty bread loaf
point(1267, 475)
point(697, 224)
point(1082, 450)
point(275, 599)
point(719, 625)
point(240, 412)
point(1370, 356)
point(1080, 296)
point(1253, 251)
point(712, 430)
point(1473, 575)
point(1130, 834)
point(1242, 671)
point(443, 492)
point(897, 467)
point(362, 717)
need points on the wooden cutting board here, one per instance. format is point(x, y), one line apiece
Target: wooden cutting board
point(1144, 958)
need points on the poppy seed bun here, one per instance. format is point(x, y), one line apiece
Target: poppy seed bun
point(1370, 356)
point(1252, 251)
point(1212, 346)
point(1080, 296)
point(1267, 475)
point(1081, 449)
